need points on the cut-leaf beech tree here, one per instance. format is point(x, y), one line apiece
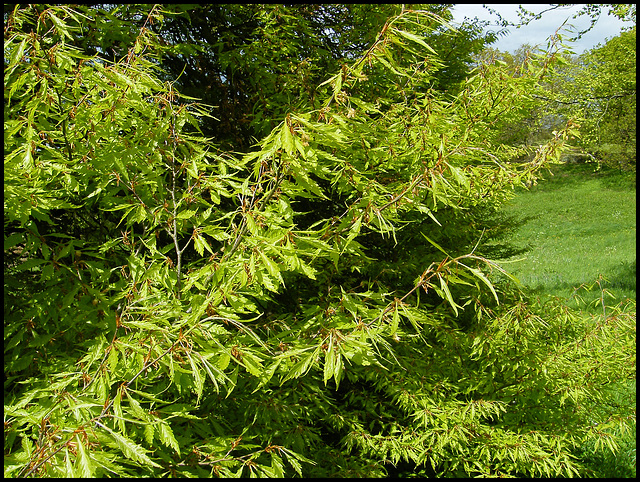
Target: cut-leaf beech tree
point(320, 306)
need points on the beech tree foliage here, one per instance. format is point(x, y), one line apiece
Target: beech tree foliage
point(320, 305)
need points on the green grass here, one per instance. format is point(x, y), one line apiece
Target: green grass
point(577, 226)
point(578, 229)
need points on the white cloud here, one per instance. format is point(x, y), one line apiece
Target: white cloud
point(538, 31)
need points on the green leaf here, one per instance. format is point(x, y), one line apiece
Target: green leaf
point(210, 369)
point(186, 214)
point(251, 224)
point(223, 361)
point(117, 409)
point(252, 364)
point(69, 470)
point(484, 279)
point(272, 268)
point(415, 38)
point(435, 244)
point(16, 55)
point(130, 449)
point(445, 289)
point(12, 240)
point(267, 374)
point(84, 465)
point(135, 408)
point(395, 321)
point(353, 232)
point(148, 433)
point(286, 138)
point(29, 264)
point(167, 437)
point(337, 86)
point(200, 244)
point(197, 377)
point(329, 361)
point(302, 366)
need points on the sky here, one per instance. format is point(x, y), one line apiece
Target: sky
point(538, 31)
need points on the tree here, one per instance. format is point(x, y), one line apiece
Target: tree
point(596, 90)
point(256, 63)
point(320, 305)
point(603, 96)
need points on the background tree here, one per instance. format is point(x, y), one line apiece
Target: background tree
point(320, 305)
point(596, 89)
point(599, 88)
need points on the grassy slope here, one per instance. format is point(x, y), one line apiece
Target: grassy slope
point(579, 224)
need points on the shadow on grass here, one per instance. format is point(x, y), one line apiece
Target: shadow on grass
point(623, 277)
point(502, 228)
point(620, 281)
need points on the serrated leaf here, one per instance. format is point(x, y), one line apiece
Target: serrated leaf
point(197, 377)
point(307, 270)
point(148, 433)
point(252, 364)
point(17, 55)
point(484, 279)
point(136, 409)
point(286, 139)
point(415, 38)
point(130, 449)
point(272, 267)
point(353, 232)
point(30, 263)
point(117, 409)
point(198, 245)
point(223, 361)
point(251, 224)
point(301, 367)
point(395, 321)
point(84, 466)
point(435, 244)
point(186, 214)
point(445, 289)
point(69, 470)
point(330, 80)
point(459, 176)
point(167, 437)
point(329, 361)
point(296, 465)
point(11, 241)
point(267, 374)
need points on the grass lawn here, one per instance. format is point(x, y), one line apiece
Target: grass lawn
point(577, 225)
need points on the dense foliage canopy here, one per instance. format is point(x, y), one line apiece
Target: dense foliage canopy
point(255, 62)
point(321, 303)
